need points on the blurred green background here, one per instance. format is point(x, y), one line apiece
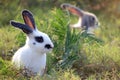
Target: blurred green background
point(76, 56)
point(10, 8)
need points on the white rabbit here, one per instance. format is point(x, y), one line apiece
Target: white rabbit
point(87, 21)
point(32, 55)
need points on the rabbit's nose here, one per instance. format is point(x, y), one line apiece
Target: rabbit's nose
point(48, 46)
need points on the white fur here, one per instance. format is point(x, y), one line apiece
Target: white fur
point(77, 25)
point(33, 57)
point(26, 57)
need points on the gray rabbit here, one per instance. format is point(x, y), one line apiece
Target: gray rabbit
point(87, 21)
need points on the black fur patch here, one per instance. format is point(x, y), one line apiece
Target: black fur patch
point(39, 39)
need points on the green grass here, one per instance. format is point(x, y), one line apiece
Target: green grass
point(76, 55)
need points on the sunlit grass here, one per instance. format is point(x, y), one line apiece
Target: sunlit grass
point(75, 56)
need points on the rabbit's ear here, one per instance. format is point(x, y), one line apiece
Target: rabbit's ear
point(25, 28)
point(28, 19)
point(74, 10)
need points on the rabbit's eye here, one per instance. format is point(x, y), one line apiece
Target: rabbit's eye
point(93, 19)
point(39, 39)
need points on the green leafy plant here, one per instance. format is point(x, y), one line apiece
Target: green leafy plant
point(68, 42)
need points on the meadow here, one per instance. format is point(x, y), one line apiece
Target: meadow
point(76, 55)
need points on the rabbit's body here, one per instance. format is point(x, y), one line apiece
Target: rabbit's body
point(27, 58)
point(32, 56)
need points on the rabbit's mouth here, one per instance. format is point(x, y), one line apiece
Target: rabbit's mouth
point(46, 50)
point(49, 50)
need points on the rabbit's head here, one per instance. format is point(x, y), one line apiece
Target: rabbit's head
point(87, 21)
point(36, 40)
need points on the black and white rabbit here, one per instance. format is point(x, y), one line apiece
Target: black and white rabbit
point(87, 21)
point(32, 55)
